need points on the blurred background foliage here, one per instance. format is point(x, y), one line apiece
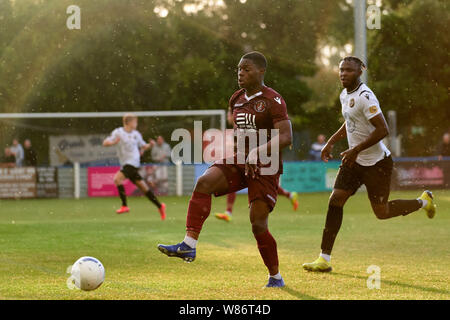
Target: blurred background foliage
point(174, 54)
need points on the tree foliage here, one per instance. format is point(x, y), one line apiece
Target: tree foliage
point(127, 57)
point(410, 71)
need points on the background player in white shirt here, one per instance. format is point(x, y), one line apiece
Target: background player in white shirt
point(367, 161)
point(129, 147)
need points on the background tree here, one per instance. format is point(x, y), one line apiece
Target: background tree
point(165, 54)
point(410, 71)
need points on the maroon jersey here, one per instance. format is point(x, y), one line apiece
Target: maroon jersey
point(259, 111)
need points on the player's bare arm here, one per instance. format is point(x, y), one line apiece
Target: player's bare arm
point(230, 116)
point(110, 142)
point(284, 139)
point(381, 131)
point(145, 147)
point(338, 135)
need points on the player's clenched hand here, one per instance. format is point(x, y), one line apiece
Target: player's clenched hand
point(325, 154)
point(349, 157)
point(251, 164)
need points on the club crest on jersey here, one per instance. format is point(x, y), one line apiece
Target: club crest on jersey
point(260, 106)
point(352, 103)
point(373, 109)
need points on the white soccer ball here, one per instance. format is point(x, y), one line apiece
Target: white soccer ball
point(88, 273)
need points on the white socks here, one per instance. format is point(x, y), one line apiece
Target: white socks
point(276, 276)
point(228, 213)
point(424, 202)
point(326, 256)
point(191, 242)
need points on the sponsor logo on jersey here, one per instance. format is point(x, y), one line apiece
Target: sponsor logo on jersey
point(352, 103)
point(260, 106)
point(245, 121)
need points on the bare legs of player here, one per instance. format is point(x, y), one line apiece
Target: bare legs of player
point(382, 210)
point(119, 178)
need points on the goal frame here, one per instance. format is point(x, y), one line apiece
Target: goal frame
point(118, 114)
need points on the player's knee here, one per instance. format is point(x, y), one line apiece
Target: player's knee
point(381, 216)
point(259, 226)
point(336, 200)
point(141, 186)
point(381, 212)
point(117, 181)
point(204, 185)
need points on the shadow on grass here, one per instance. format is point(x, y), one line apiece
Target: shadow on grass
point(298, 294)
point(395, 283)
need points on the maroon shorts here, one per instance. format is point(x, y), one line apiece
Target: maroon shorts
point(264, 188)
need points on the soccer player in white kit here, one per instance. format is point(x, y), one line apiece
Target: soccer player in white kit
point(367, 161)
point(129, 147)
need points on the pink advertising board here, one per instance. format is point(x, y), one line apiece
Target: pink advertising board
point(101, 182)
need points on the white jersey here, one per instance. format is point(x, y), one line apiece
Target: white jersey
point(128, 148)
point(358, 107)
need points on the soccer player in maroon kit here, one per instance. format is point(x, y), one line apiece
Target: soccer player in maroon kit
point(231, 197)
point(254, 107)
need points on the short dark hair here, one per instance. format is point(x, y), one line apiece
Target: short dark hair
point(360, 63)
point(257, 58)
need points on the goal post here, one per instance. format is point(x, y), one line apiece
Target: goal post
point(118, 114)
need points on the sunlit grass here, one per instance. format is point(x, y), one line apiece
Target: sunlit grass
point(41, 238)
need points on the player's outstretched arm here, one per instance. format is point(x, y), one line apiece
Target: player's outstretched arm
point(108, 142)
point(338, 135)
point(381, 131)
point(145, 147)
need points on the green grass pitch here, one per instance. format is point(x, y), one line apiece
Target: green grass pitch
point(41, 238)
